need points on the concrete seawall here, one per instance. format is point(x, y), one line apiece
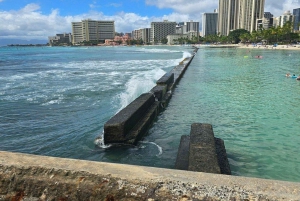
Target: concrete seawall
point(32, 178)
point(133, 122)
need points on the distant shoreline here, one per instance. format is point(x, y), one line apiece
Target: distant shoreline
point(271, 47)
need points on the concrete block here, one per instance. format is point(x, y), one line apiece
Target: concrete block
point(182, 160)
point(167, 79)
point(159, 91)
point(203, 155)
point(222, 157)
point(116, 129)
point(142, 126)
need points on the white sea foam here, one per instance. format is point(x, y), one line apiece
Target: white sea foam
point(160, 150)
point(156, 50)
point(99, 141)
point(138, 84)
point(186, 55)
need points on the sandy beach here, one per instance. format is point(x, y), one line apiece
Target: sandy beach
point(271, 47)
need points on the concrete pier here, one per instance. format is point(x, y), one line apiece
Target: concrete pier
point(25, 177)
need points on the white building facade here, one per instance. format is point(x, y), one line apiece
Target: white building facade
point(209, 24)
point(160, 30)
point(286, 17)
point(92, 30)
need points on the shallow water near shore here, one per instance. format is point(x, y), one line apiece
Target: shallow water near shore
point(55, 101)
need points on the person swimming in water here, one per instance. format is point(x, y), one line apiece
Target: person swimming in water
point(288, 75)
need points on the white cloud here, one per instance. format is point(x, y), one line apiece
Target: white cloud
point(277, 8)
point(30, 23)
point(184, 7)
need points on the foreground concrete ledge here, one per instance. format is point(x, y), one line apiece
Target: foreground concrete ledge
point(32, 177)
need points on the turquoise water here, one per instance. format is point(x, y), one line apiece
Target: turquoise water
point(252, 106)
point(55, 101)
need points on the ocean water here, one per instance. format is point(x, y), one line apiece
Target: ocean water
point(55, 102)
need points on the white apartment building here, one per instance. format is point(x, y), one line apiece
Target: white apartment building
point(145, 35)
point(92, 30)
point(209, 24)
point(264, 23)
point(160, 30)
point(136, 34)
point(286, 17)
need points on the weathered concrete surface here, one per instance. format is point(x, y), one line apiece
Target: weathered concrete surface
point(222, 157)
point(182, 159)
point(166, 79)
point(203, 156)
point(142, 126)
point(159, 91)
point(117, 128)
point(31, 177)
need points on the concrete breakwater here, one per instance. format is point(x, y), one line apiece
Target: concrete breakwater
point(132, 123)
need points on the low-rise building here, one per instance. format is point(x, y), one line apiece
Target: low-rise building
point(60, 39)
point(174, 39)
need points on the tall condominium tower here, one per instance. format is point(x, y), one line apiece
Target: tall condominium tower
point(92, 30)
point(250, 11)
point(239, 14)
point(160, 30)
point(296, 13)
point(209, 24)
point(227, 18)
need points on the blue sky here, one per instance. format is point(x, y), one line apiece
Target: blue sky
point(38, 19)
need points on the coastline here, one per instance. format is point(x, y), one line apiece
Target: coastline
point(250, 46)
point(270, 47)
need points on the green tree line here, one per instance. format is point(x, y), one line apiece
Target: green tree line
point(279, 35)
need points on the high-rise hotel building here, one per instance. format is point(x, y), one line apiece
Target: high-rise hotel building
point(160, 30)
point(239, 14)
point(92, 30)
point(209, 24)
point(296, 13)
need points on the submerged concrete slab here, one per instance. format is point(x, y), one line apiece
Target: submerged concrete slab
point(31, 177)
